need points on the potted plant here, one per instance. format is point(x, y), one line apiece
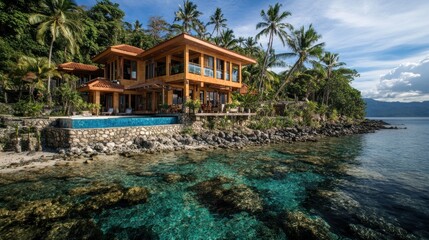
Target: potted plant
point(233, 106)
point(193, 104)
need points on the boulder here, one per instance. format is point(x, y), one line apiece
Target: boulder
point(298, 225)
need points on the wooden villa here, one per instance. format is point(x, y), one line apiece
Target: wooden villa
point(168, 74)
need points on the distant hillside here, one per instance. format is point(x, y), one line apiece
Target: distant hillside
point(396, 109)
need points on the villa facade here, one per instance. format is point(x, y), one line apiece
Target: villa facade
point(166, 75)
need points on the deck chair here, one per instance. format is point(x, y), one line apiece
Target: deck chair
point(128, 111)
point(109, 112)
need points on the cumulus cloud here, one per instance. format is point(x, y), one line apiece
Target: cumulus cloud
point(407, 82)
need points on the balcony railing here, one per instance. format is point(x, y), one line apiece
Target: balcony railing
point(176, 69)
point(208, 72)
point(194, 68)
point(227, 76)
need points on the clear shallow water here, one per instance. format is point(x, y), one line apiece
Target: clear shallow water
point(372, 186)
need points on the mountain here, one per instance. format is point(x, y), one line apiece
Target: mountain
point(376, 108)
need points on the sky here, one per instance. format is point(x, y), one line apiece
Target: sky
point(386, 41)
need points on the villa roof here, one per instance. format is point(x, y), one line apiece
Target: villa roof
point(185, 38)
point(122, 49)
point(101, 84)
point(73, 66)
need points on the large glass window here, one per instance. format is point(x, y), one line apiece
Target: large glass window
point(177, 96)
point(219, 68)
point(208, 66)
point(130, 69)
point(235, 73)
point(150, 70)
point(227, 77)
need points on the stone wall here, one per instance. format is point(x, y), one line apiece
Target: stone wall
point(11, 121)
point(68, 138)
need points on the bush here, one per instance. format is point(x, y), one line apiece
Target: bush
point(27, 109)
point(6, 108)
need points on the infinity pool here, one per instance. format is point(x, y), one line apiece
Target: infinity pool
point(115, 121)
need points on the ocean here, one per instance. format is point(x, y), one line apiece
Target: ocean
point(369, 186)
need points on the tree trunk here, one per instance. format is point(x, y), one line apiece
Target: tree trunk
point(49, 75)
point(264, 67)
point(5, 95)
point(292, 70)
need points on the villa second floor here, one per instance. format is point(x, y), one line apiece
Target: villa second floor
point(181, 58)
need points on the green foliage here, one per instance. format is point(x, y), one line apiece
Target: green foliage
point(28, 108)
point(193, 104)
point(6, 108)
point(266, 122)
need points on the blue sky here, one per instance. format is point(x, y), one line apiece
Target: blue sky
point(387, 41)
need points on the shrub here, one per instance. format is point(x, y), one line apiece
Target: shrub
point(6, 108)
point(27, 109)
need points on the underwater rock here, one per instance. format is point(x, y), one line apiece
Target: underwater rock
point(45, 209)
point(298, 225)
point(94, 188)
point(74, 229)
point(364, 233)
point(136, 195)
point(104, 200)
point(223, 195)
point(175, 177)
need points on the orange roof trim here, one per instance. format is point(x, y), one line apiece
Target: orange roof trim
point(123, 49)
point(73, 66)
point(101, 84)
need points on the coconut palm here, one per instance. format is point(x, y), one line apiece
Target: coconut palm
point(226, 39)
point(329, 62)
point(188, 15)
point(218, 20)
point(304, 45)
point(273, 25)
point(251, 46)
point(58, 18)
point(35, 71)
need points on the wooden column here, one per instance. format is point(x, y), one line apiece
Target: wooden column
point(230, 71)
point(185, 94)
point(96, 100)
point(170, 97)
point(186, 62)
point(153, 101)
point(214, 68)
point(202, 64)
point(195, 92)
point(167, 65)
point(239, 73)
point(229, 95)
point(129, 101)
point(116, 102)
point(224, 70)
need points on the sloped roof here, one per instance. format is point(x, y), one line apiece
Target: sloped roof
point(128, 48)
point(73, 66)
point(101, 84)
point(122, 49)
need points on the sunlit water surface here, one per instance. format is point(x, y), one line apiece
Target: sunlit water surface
point(362, 186)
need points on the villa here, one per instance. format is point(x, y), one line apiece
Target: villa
point(165, 76)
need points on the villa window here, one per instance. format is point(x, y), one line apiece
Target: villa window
point(227, 72)
point(177, 97)
point(235, 73)
point(150, 70)
point(208, 66)
point(130, 69)
point(219, 68)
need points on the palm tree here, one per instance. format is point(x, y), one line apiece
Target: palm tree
point(35, 71)
point(188, 15)
point(5, 84)
point(218, 20)
point(226, 39)
point(304, 45)
point(157, 27)
point(251, 46)
point(273, 25)
point(59, 18)
point(329, 62)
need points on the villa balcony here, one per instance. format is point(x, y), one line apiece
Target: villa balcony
point(194, 68)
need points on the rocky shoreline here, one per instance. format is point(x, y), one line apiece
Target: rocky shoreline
point(205, 140)
point(213, 139)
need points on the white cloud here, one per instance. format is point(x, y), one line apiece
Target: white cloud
point(407, 82)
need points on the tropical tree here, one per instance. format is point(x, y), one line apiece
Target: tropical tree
point(59, 18)
point(304, 44)
point(5, 84)
point(273, 25)
point(189, 16)
point(34, 71)
point(218, 20)
point(157, 28)
point(226, 39)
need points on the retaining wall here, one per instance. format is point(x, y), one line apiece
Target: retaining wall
point(68, 138)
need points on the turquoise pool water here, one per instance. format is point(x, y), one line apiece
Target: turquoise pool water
point(108, 122)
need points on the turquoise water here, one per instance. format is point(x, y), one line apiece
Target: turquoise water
point(121, 122)
point(372, 186)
